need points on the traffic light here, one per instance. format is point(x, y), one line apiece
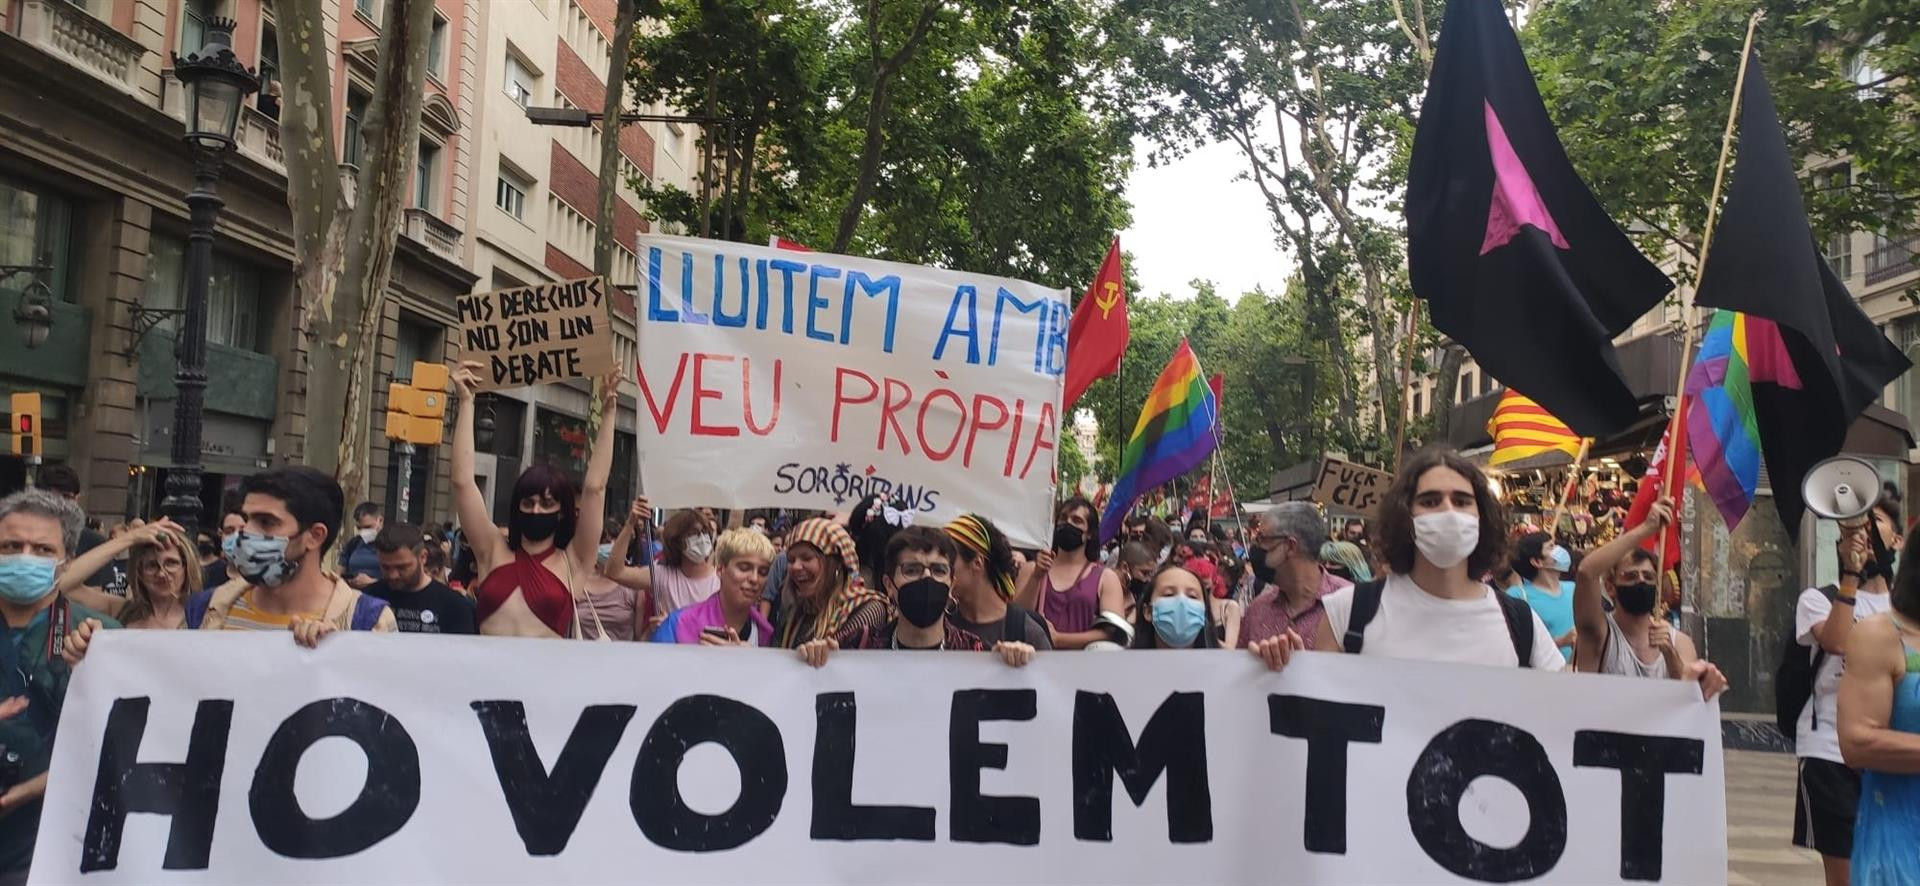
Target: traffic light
point(416, 411)
point(25, 408)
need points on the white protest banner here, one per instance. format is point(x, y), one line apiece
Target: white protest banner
point(533, 335)
point(774, 378)
point(240, 758)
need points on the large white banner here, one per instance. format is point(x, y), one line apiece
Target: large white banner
point(239, 758)
point(775, 378)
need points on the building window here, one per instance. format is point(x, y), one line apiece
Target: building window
point(1838, 251)
point(437, 48)
point(1868, 78)
point(519, 81)
point(350, 141)
point(1417, 410)
point(267, 100)
point(424, 177)
point(233, 293)
point(36, 228)
point(510, 194)
point(194, 15)
point(368, 9)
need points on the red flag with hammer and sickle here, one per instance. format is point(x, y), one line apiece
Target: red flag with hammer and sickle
point(1098, 335)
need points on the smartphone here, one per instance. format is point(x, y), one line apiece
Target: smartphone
point(717, 632)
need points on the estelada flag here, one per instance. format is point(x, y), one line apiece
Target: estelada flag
point(1097, 337)
point(1765, 263)
point(1521, 430)
point(1515, 258)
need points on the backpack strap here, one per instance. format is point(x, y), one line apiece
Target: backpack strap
point(366, 612)
point(197, 608)
point(1819, 658)
point(1015, 630)
point(1366, 604)
point(1519, 618)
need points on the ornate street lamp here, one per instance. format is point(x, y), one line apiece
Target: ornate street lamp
point(216, 84)
point(34, 312)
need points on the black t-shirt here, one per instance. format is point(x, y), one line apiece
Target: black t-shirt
point(104, 579)
point(1028, 628)
point(213, 575)
point(434, 609)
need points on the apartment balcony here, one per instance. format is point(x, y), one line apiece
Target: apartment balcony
point(69, 33)
point(1893, 258)
point(440, 238)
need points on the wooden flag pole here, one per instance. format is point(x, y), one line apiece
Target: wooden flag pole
point(1675, 460)
point(1406, 380)
point(1566, 492)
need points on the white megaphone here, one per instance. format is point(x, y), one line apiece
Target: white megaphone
point(1841, 488)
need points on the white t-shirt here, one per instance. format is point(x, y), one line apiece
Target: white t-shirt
point(1414, 624)
point(1814, 607)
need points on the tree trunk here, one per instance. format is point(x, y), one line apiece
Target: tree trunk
point(879, 100)
point(343, 321)
point(315, 199)
point(609, 195)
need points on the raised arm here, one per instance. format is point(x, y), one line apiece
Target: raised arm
point(640, 578)
point(1589, 584)
point(489, 549)
point(593, 489)
point(1876, 662)
point(1833, 633)
point(81, 568)
point(1033, 578)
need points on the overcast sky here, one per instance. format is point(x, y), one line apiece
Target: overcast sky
point(1194, 219)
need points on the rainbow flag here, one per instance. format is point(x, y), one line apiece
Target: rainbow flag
point(1175, 434)
point(1737, 351)
point(1522, 430)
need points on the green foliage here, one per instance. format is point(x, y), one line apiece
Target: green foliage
point(1000, 156)
point(1275, 402)
point(1640, 93)
point(1072, 463)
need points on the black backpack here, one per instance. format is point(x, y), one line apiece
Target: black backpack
point(1366, 604)
point(1793, 679)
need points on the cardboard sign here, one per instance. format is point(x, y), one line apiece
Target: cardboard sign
point(533, 335)
point(1352, 488)
point(551, 764)
point(774, 378)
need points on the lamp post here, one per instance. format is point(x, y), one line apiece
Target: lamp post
point(216, 83)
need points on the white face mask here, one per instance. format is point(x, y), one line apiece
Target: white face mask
point(699, 548)
point(367, 535)
point(1446, 537)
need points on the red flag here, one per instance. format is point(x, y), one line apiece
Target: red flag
point(1216, 381)
point(778, 242)
point(1098, 334)
point(1656, 484)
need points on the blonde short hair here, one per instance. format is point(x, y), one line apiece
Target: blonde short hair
point(736, 543)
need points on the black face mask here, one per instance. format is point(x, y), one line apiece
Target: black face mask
point(535, 527)
point(1068, 537)
point(209, 549)
point(922, 601)
point(1262, 573)
point(1636, 599)
point(1881, 564)
point(1139, 588)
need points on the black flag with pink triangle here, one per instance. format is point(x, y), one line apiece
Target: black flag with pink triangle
point(1515, 258)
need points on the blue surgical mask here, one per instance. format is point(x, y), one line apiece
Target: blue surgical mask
point(229, 547)
point(604, 552)
point(1178, 620)
point(1562, 561)
point(25, 578)
point(262, 559)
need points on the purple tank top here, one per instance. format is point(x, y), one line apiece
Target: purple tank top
point(1073, 610)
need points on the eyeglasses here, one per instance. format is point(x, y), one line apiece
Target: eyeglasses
point(164, 566)
point(917, 571)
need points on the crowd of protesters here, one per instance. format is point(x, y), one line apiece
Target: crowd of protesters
point(1437, 579)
